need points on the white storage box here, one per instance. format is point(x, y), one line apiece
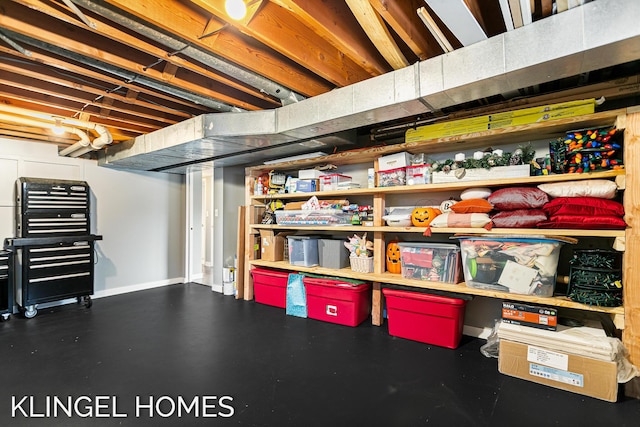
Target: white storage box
point(332, 181)
point(480, 174)
point(394, 161)
point(399, 217)
point(309, 174)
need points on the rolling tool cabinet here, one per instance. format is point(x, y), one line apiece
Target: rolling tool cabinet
point(54, 247)
point(6, 284)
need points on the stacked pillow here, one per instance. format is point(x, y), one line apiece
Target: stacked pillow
point(471, 212)
point(583, 205)
point(518, 207)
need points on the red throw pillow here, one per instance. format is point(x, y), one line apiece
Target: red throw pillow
point(519, 218)
point(598, 222)
point(583, 206)
point(472, 206)
point(509, 199)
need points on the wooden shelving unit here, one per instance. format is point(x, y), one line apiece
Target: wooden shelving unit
point(627, 180)
point(549, 232)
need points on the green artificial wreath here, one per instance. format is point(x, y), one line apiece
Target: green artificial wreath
point(522, 156)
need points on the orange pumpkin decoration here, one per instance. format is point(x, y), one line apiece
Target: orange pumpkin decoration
point(393, 257)
point(422, 216)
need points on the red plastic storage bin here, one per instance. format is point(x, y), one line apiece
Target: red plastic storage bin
point(337, 301)
point(270, 286)
point(431, 319)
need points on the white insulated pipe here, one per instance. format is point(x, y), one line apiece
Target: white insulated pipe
point(84, 138)
point(103, 139)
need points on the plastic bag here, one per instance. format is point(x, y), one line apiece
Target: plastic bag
point(490, 349)
point(296, 296)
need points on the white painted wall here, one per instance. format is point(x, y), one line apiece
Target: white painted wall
point(228, 194)
point(139, 214)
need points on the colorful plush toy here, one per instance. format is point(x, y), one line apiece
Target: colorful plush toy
point(359, 246)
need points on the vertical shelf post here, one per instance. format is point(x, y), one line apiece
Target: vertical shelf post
point(631, 275)
point(379, 251)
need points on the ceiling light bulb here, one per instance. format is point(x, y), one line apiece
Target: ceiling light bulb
point(58, 129)
point(236, 9)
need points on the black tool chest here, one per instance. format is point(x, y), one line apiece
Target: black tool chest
point(54, 246)
point(6, 284)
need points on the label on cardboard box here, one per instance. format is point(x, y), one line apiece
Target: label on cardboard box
point(559, 375)
point(529, 315)
point(547, 357)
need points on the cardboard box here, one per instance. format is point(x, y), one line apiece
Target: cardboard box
point(394, 161)
point(309, 174)
point(272, 245)
point(530, 315)
point(307, 185)
point(570, 372)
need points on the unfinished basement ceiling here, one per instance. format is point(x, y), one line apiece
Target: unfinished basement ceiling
point(152, 72)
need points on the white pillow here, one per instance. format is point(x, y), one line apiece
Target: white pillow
point(475, 193)
point(460, 220)
point(602, 188)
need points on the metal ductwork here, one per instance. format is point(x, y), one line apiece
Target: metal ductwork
point(530, 55)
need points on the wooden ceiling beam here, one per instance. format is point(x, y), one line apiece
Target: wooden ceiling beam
point(489, 16)
point(119, 121)
point(54, 66)
point(46, 84)
point(179, 19)
point(49, 30)
point(545, 8)
point(15, 131)
point(378, 32)
point(334, 22)
point(106, 29)
point(402, 17)
point(295, 40)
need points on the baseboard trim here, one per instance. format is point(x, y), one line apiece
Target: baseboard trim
point(111, 292)
point(477, 332)
point(138, 287)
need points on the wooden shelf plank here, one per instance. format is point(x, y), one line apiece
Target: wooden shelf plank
point(449, 186)
point(461, 288)
point(511, 135)
point(548, 232)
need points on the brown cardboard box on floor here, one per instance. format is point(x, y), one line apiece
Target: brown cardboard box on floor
point(272, 245)
point(578, 374)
